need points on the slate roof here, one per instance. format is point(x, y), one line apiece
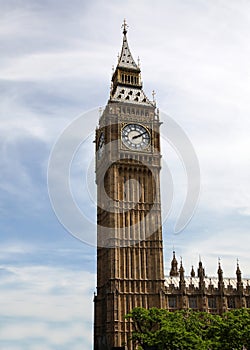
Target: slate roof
point(131, 95)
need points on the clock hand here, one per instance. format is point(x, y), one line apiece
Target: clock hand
point(135, 137)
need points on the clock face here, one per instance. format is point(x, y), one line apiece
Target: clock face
point(135, 136)
point(101, 143)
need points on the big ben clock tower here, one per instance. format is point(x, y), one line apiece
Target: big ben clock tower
point(129, 233)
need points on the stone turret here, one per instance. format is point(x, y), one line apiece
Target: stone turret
point(174, 267)
point(182, 282)
point(239, 278)
point(192, 273)
point(201, 275)
point(220, 278)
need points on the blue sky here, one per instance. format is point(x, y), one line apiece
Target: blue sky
point(55, 64)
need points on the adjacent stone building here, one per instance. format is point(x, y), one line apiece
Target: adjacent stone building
point(199, 292)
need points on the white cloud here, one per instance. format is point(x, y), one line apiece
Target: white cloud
point(52, 304)
point(53, 334)
point(210, 245)
point(51, 66)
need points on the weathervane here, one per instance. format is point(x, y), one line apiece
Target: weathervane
point(124, 26)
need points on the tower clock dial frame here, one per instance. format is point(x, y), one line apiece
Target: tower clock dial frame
point(135, 136)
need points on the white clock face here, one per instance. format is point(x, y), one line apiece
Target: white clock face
point(135, 136)
point(101, 143)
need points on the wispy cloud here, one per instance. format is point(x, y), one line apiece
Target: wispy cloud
point(52, 306)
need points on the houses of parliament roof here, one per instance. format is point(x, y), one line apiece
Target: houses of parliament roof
point(177, 276)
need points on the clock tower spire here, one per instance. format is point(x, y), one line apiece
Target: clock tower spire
point(126, 79)
point(129, 232)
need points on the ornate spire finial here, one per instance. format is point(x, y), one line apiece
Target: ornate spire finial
point(219, 265)
point(138, 61)
point(124, 26)
point(153, 95)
